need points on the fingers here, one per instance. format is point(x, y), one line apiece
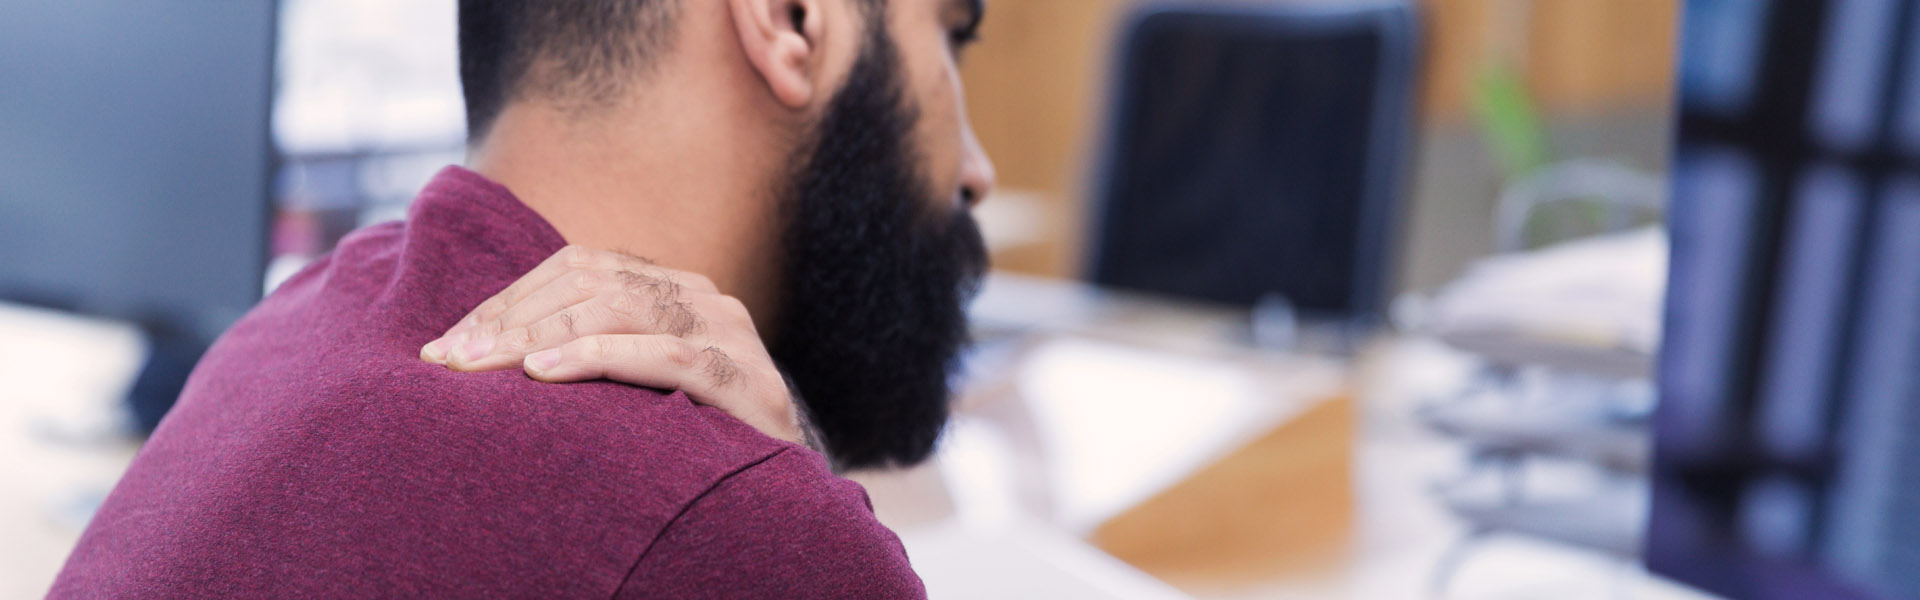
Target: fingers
point(657, 361)
point(707, 374)
point(567, 260)
point(569, 290)
point(440, 349)
point(586, 314)
point(645, 293)
point(507, 349)
point(638, 305)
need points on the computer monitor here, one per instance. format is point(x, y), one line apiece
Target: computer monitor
point(1259, 150)
point(135, 165)
point(1787, 439)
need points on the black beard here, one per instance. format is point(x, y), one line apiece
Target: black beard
point(876, 280)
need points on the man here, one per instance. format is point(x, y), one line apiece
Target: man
point(809, 160)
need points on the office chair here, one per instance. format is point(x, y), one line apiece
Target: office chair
point(1259, 153)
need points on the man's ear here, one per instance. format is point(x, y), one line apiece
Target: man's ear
point(782, 41)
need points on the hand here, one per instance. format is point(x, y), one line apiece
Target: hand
point(588, 314)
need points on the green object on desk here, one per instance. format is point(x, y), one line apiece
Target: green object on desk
point(1509, 119)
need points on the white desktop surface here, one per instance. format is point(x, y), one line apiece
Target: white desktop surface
point(61, 447)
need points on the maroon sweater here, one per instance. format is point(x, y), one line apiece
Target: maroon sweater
point(314, 455)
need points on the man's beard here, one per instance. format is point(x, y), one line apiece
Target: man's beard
point(876, 282)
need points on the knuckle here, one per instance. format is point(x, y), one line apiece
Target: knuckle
point(699, 281)
point(719, 367)
point(680, 320)
point(495, 305)
point(639, 282)
point(519, 340)
point(679, 354)
point(587, 281)
point(656, 301)
point(604, 318)
point(666, 287)
point(567, 323)
point(731, 306)
point(632, 264)
point(598, 348)
point(734, 311)
point(489, 327)
point(623, 304)
point(578, 257)
point(633, 260)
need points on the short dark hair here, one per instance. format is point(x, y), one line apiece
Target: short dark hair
point(579, 51)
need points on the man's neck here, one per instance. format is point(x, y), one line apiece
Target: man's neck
point(673, 191)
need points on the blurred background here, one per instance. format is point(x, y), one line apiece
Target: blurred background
point(1293, 298)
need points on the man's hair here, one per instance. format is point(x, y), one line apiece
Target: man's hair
point(578, 52)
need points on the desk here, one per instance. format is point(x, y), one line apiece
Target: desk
point(1391, 536)
point(1142, 426)
point(62, 445)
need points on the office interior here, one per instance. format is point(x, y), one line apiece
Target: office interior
point(1291, 298)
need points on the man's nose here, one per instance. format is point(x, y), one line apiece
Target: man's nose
point(976, 173)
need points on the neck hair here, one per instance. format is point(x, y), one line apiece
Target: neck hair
point(682, 168)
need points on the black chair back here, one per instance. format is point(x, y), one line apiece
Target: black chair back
point(1259, 150)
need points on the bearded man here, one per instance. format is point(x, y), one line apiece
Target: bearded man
point(797, 175)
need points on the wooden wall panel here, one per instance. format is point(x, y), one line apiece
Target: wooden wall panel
point(1036, 91)
point(1037, 88)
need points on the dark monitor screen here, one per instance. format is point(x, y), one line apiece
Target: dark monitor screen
point(1258, 150)
point(1787, 440)
point(135, 157)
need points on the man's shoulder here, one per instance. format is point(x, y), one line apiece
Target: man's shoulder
point(525, 485)
point(784, 527)
point(356, 395)
point(329, 362)
point(599, 430)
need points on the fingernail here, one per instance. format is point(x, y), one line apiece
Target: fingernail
point(476, 348)
point(544, 360)
point(435, 351)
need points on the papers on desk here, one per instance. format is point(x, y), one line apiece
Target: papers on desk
point(1119, 423)
point(1593, 304)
